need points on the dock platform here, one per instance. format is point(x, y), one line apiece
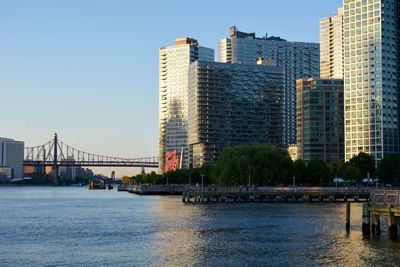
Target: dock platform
point(153, 189)
point(213, 194)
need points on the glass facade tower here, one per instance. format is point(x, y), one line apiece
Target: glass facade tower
point(320, 119)
point(371, 77)
point(173, 95)
point(233, 104)
point(297, 59)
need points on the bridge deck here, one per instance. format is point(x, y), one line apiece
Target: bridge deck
point(146, 164)
point(56, 153)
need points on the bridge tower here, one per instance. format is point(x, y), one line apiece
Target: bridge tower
point(55, 163)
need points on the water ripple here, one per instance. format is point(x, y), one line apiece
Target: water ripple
point(47, 226)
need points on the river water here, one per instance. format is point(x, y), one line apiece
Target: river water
point(72, 226)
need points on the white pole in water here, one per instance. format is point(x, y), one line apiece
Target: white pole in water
point(181, 158)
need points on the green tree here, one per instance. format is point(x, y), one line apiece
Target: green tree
point(264, 164)
point(351, 172)
point(365, 163)
point(332, 168)
point(126, 180)
point(389, 169)
point(316, 172)
point(340, 167)
point(300, 171)
point(186, 176)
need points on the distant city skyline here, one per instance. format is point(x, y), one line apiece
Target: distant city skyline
point(89, 70)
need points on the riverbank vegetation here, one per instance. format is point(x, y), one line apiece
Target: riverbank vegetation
point(265, 165)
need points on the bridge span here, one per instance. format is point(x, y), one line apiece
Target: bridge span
point(56, 153)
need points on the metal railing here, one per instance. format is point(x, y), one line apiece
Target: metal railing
point(385, 198)
point(267, 189)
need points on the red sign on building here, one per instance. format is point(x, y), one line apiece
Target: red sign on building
point(171, 161)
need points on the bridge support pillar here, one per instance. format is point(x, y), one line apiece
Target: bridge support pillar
point(54, 174)
point(348, 216)
point(392, 224)
point(366, 230)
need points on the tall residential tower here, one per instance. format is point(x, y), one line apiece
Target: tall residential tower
point(320, 119)
point(297, 59)
point(173, 95)
point(232, 104)
point(331, 41)
point(371, 77)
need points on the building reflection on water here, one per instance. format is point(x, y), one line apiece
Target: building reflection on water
point(73, 226)
point(266, 234)
point(180, 240)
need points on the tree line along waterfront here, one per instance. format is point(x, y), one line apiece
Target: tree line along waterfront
point(266, 165)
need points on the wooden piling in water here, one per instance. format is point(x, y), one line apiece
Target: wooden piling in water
point(375, 224)
point(348, 216)
point(366, 230)
point(392, 224)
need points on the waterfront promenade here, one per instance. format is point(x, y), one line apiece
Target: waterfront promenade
point(213, 194)
point(377, 202)
point(149, 189)
point(383, 203)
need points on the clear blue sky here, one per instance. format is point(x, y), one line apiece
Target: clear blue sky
point(88, 70)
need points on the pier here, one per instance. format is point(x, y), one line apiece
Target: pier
point(213, 194)
point(376, 202)
point(153, 189)
point(383, 203)
point(96, 184)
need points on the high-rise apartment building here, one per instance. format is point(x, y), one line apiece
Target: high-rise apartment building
point(371, 77)
point(12, 156)
point(331, 42)
point(297, 59)
point(233, 104)
point(173, 95)
point(320, 119)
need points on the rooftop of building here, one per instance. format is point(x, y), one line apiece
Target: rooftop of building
point(182, 41)
point(186, 40)
point(5, 139)
point(265, 64)
point(234, 33)
point(335, 14)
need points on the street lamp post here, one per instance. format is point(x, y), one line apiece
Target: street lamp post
point(202, 186)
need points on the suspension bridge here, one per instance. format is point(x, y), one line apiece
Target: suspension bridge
point(56, 153)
